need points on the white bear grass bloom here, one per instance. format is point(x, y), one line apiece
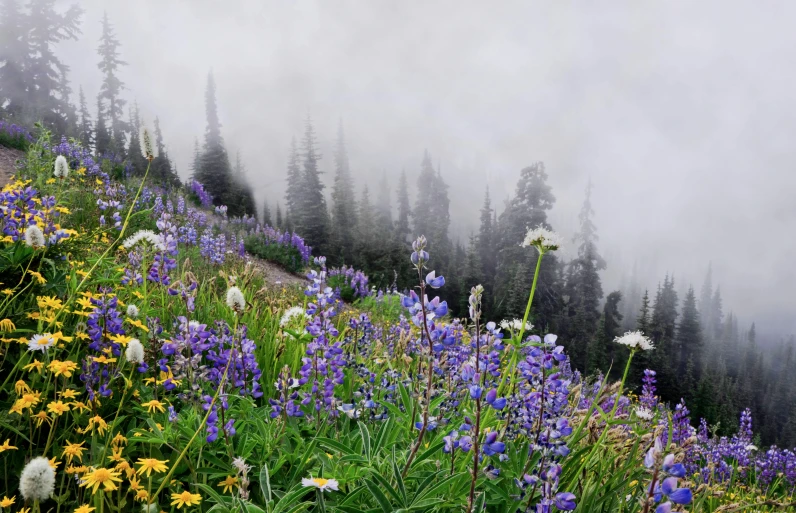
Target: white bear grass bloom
point(134, 351)
point(61, 168)
point(235, 299)
point(37, 480)
point(635, 340)
point(34, 237)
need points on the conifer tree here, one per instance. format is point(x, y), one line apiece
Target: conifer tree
point(402, 228)
point(102, 137)
point(295, 183)
point(603, 354)
point(344, 209)
point(214, 170)
point(689, 341)
point(137, 160)
point(13, 54)
point(312, 217)
point(473, 272)
point(45, 28)
point(384, 204)
point(643, 319)
point(267, 214)
point(65, 112)
point(85, 131)
point(112, 86)
point(487, 253)
point(162, 166)
point(279, 221)
point(239, 198)
point(706, 305)
point(197, 155)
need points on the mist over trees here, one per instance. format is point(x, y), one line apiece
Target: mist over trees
point(702, 354)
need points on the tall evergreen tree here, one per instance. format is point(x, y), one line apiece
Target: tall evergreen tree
point(344, 209)
point(384, 204)
point(267, 214)
point(42, 70)
point(197, 156)
point(487, 254)
point(706, 305)
point(162, 169)
point(239, 197)
point(402, 228)
point(280, 223)
point(134, 155)
point(602, 354)
point(85, 131)
point(112, 86)
point(643, 319)
point(312, 216)
point(214, 170)
point(102, 136)
point(65, 109)
point(295, 182)
point(689, 342)
point(13, 54)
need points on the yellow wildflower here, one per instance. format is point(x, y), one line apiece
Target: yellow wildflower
point(138, 294)
point(85, 508)
point(68, 394)
point(20, 387)
point(141, 495)
point(119, 439)
point(85, 303)
point(41, 417)
point(54, 464)
point(64, 368)
point(79, 405)
point(150, 464)
point(122, 340)
point(101, 477)
point(117, 454)
point(82, 273)
point(135, 483)
point(228, 483)
point(8, 292)
point(7, 446)
point(35, 365)
point(124, 466)
point(57, 408)
point(6, 326)
point(185, 498)
point(38, 276)
point(154, 404)
point(138, 324)
point(73, 451)
point(6, 502)
point(103, 359)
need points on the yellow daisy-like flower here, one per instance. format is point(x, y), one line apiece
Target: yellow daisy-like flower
point(154, 404)
point(150, 464)
point(6, 502)
point(119, 439)
point(7, 326)
point(35, 365)
point(117, 455)
point(7, 446)
point(59, 336)
point(124, 466)
point(8, 292)
point(85, 508)
point(68, 394)
point(185, 498)
point(54, 464)
point(138, 324)
point(85, 303)
point(103, 359)
point(135, 483)
point(58, 408)
point(141, 495)
point(122, 340)
point(38, 276)
point(62, 368)
point(229, 483)
point(40, 418)
point(104, 477)
point(79, 405)
point(20, 387)
point(138, 294)
point(73, 451)
point(82, 273)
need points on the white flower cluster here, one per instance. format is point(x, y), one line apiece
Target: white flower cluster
point(61, 169)
point(34, 236)
point(37, 480)
point(644, 413)
point(515, 325)
point(144, 235)
point(292, 313)
point(148, 149)
point(235, 299)
point(135, 351)
point(542, 239)
point(634, 340)
point(132, 311)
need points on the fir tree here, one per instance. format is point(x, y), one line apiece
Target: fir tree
point(295, 183)
point(706, 305)
point(162, 169)
point(384, 204)
point(643, 319)
point(239, 198)
point(344, 209)
point(689, 341)
point(137, 160)
point(197, 156)
point(112, 86)
point(487, 254)
point(85, 131)
point(603, 353)
point(279, 221)
point(312, 216)
point(214, 170)
point(267, 214)
point(102, 137)
point(13, 54)
point(402, 228)
point(45, 28)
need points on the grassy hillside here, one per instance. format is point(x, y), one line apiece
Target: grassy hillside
point(150, 365)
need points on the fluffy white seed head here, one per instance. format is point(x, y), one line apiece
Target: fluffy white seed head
point(34, 236)
point(644, 413)
point(132, 311)
point(61, 169)
point(542, 239)
point(37, 480)
point(148, 148)
point(634, 340)
point(235, 299)
point(135, 351)
point(144, 236)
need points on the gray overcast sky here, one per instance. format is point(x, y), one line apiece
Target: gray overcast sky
point(681, 113)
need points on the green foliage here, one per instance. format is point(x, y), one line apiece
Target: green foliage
point(287, 256)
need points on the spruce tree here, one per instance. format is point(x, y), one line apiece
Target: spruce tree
point(485, 245)
point(102, 137)
point(85, 131)
point(65, 109)
point(384, 204)
point(267, 214)
point(197, 156)
point(134, 155)
point(402, 228)
point(312, 216)
point(214, 170)
point(344, 209)
point(239, 197)
point(13, 54)
point(112, 86)
point(295, 182)
point(689, 342)
point(643, 319)
point(162, 166)
point(45, 28)
point(706, 305)
point(279, 221)
point(603, 354)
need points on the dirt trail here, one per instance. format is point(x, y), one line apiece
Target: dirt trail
point(274, 274)
point(8, 163)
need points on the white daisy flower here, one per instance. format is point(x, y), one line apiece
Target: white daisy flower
point(41, 342)
point(320, 483)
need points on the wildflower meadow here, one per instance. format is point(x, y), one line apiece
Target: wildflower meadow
point(148, 366)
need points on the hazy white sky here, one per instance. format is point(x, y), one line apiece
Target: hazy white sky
point(681, 113)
